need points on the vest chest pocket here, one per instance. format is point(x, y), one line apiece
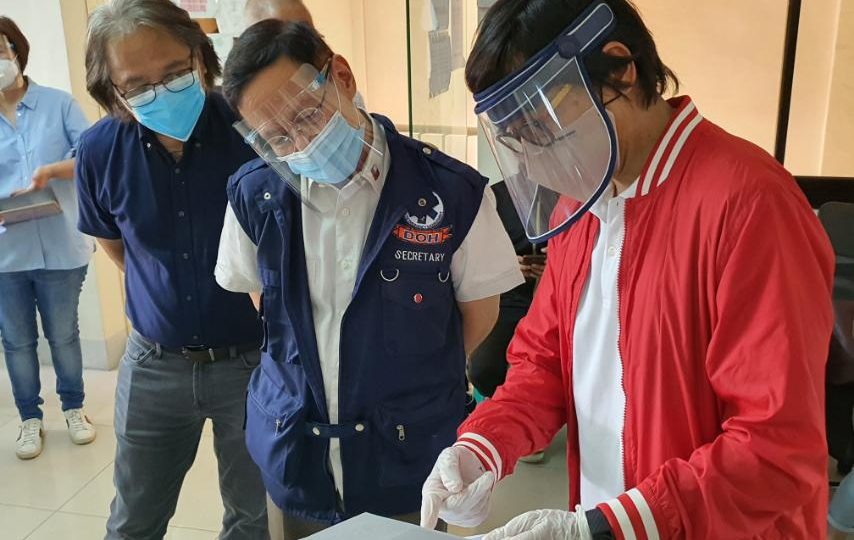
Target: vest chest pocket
point(417, 309)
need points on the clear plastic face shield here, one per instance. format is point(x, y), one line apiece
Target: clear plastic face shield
point(301, 132)
point(552, 138)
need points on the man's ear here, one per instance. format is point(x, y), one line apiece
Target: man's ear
point(342, 73)
point(628, 75)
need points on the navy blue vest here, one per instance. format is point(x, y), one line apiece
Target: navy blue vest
point(402, 363)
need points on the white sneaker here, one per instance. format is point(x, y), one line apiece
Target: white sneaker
point(80, 429)
point(30, 439)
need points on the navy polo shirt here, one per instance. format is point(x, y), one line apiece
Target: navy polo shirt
point(169, 215)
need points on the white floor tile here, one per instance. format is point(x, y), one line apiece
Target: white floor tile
point(70, 527)
point(63, 469)
point(179, 533)
point(95, 498)
point(18, 522)
point(79, 527)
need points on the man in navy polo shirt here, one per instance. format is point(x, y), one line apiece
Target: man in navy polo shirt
point(152, 181)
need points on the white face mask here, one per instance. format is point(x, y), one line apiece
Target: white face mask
point(9, 72)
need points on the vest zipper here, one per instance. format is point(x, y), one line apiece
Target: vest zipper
point(401, 433)
point(278, 425)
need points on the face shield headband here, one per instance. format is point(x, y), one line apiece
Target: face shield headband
point(553, 140)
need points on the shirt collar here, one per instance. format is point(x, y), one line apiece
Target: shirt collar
point(31, 96)
point(600, 207)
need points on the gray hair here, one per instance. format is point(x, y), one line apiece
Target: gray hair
point(119, 18)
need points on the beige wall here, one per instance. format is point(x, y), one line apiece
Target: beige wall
point(811, 90)
point(838, 159)
point(728, 55)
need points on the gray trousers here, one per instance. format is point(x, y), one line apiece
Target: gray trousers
point(285, 527)
point(162, 402)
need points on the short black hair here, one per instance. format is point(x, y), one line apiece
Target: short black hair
point(262, 45)
point(515, 30)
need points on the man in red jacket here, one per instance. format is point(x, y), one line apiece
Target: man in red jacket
point(681, 328)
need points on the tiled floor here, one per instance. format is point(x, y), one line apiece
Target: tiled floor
point(66, 492)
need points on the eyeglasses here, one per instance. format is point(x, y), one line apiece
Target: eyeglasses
point(535, 133)
point(147, 93)
point(306, 124)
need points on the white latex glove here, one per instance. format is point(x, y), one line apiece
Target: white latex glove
point(458, 490)
point(545, 525)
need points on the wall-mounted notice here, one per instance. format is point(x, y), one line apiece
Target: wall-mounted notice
point(229, 16)
point(194, 6)
point(439, 15)
point(457, 34)
point(440, 61)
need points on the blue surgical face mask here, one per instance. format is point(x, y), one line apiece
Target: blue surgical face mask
point(173, 114)
point(333, 155)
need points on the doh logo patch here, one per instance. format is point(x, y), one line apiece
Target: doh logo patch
point(412, 235)
point(431, 212)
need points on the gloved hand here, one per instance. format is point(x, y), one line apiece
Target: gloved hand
point(545, 525)
point(458, 490)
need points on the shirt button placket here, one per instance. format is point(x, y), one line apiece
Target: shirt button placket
point(184, 247)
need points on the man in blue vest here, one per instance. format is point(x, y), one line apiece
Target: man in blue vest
point(380, 260)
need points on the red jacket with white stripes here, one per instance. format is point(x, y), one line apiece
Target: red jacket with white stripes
point(725, 316)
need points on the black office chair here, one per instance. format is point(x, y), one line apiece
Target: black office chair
point(838, 221)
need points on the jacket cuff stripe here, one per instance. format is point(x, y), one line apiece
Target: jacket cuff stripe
point(490, 449)
point(478, 451)
point(612, 521)
point(634, 516)
point(645, 513)
point(630, 517)
point(624, 524)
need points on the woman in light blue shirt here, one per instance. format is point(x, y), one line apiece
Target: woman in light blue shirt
point(43, 261)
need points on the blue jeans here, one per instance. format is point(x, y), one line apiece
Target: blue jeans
point(841, 514)
point(162, 402)
point(56, 296)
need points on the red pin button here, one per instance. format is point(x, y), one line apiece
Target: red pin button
point(418, 298)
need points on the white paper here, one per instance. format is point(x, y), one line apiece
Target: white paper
point(370, 527)
point(457, 34)
point(440, 15)
point(440, 62)
point(194, 6)
point(229, 16)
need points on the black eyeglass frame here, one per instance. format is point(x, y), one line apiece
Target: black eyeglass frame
point(149, 91)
